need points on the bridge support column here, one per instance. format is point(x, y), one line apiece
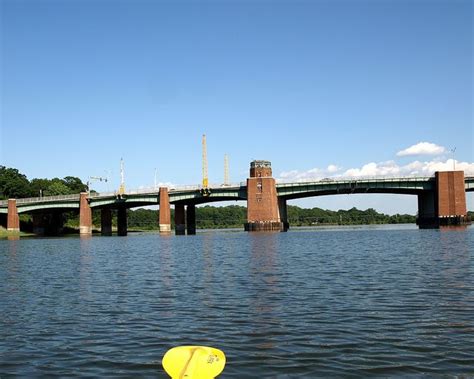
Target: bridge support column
point(283, 209)
point(106, 221)
point(56, 224)
point(3, 220)
point(191, 219)
point(39, 223)
point(122, 221)
point(446, 205)
point(164, 221)
point(13, 220)
point(262, 200)
point(451, 198)
point(85, 215)
point(426, 210)
point(179, 220)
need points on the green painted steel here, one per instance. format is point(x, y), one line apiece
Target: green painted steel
point(129, 201)
point(214, 194)
point(411, 186)
point(469, 183)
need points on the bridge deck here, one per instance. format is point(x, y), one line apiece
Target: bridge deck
point(194, 195)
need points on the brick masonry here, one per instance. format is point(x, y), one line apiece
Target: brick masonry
point(13, 220)
point(451, 194)
point(262, 200)
point(85, 214)
point(165, 211)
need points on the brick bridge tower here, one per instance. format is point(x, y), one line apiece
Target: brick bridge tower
point(446, 205)
point(262, 200)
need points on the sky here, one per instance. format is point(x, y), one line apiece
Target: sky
point(343, 88)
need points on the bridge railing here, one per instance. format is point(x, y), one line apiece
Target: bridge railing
point(29, 200)
point(357, 179)
point(171, 188)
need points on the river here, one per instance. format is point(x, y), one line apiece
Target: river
point(316, 302)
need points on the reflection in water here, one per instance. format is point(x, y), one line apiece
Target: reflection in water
point(326, 303)
point(264, 279)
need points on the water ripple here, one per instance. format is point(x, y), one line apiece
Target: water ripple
point(359, 302)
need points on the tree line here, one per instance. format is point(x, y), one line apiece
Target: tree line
point(14, 184)
point(234, 216)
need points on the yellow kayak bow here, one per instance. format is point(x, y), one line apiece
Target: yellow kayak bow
point(193, 362)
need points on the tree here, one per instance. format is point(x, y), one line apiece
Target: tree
point(75, 184)
point(39, 186)
point(57, 187)
point(13, 184)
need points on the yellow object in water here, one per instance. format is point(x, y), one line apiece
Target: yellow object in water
point(193, 362)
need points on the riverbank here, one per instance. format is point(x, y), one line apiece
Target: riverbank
point(6, 234)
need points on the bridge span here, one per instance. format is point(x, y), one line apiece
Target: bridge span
point(441, 200)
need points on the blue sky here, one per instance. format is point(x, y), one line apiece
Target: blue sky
point(319, 88)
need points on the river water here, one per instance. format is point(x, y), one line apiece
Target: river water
point(330, 302)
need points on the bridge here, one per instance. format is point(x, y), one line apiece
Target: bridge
point(441, 201)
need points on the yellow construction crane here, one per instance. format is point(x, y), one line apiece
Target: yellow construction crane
point(226, 170)
point(205, 180)
point(121, 190)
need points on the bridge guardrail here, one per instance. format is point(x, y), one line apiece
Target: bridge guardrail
point(280, 183)
point(336, 180)
point(43, 199)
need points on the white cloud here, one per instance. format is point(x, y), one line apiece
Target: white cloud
point(422, 148)
point(381, 169)
point(333, 168)
point(312, 174)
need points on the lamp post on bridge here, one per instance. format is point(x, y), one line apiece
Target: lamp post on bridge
point(92, 178)
point(454, 160)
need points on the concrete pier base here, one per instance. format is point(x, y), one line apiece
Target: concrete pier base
point(191, 219)
point(56, 224)
point(283, 209)
point(39, 223)
point(264, 226)
point(106, 221)
point(122, 222)
point(179, 220)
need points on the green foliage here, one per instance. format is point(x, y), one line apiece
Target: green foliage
point(13, 184)
point(209, 217)
point(57, 187)
point(74, 184)
point(303, 217)
point(144, 219)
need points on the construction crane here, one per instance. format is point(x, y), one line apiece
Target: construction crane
point(121, 190)
point(205, 190)
point(226, 170)
point(93, 178)
point(205, 180)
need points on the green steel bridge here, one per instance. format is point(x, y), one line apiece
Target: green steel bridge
point(193, 195)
